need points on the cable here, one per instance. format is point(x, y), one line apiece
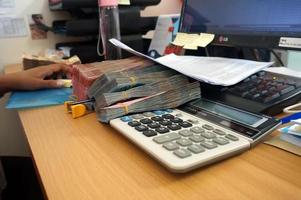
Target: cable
point(99, 37)
point(256, 54)
point(277, 57)
point(207, 52)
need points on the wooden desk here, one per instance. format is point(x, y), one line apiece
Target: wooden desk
point(84, 159)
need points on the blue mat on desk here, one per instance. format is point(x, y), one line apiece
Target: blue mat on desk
point(38, 98)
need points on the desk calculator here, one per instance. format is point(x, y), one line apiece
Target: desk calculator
point(197, 134)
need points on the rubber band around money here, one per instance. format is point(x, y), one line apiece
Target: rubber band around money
point(126, 109)
point(125, 95)
point(133, 80)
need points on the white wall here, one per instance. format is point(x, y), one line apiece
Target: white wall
point(11, 49)
point(165, 7)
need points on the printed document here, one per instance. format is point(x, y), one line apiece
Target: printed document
point(213, 70)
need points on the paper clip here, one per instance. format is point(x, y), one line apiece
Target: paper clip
point(79, 108)
point(291, 109)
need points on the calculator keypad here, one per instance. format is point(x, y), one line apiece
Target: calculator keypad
point(183, 138)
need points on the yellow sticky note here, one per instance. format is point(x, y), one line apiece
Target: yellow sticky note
point(204, 39)
point(185, 39)
point(190, 46)
point(179, 40)
point(124, 2)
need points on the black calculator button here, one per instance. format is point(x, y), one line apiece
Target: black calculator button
point(146, 121)
point(157, 118)
point(185, 124)
point(168, 116)
point(176, 120)
point(153, 125)
point(141, 128)
point(174, 127)
point(134, 123)
point(149, 133)
point(162, 130)
point(165, 122)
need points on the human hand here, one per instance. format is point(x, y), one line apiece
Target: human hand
point(35, 78)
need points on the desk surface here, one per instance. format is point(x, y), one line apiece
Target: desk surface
point(83, 159)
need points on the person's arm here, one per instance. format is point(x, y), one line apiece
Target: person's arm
point(33, 79)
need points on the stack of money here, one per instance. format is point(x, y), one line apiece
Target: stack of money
point(85, 74)
point(31, 61)
point(107, 99)
point(180, 94)
point(120, 81)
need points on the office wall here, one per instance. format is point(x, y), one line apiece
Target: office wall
point(11, 49)
point(165, 7)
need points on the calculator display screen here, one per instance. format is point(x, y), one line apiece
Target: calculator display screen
point(231, 113)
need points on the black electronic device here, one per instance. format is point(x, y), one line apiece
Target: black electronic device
point(254, 24)
point(264, 92)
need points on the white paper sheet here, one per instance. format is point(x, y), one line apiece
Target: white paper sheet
point(12, 27)
point(7, 7)
point(213, 70)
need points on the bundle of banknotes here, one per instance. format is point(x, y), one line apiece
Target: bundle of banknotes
point(180, 94)
point(85, 74)
point(31, 61)
point(130, 86)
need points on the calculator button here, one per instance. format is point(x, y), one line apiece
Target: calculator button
point(137, 116)
point(174, 127)
point(146, 121)
point(168, 116)
point(196, 148)
point(162, 130)
point(197, 129)
point(219, 132)
point(185, 133)
point(208, 145)
point(149, 114)
point(208, 127)
point(134, 123)
point(171, 146)
point(154, 125)
point(220, 141)
point(149, 133)
point(176, 120)
point(182, 153)
point(141, 128)
point(185, 124)
point(159, 112)
point(231, 137)
point(196, 138)
point(166, 138)
point(208, 135)
point(184, 142)
point(126, 119)
point(193, 121)
point(165, 122)
point(157, 118)
point(169, 110)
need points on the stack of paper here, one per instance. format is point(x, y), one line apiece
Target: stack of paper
point(292, 133)
point(213, 70)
